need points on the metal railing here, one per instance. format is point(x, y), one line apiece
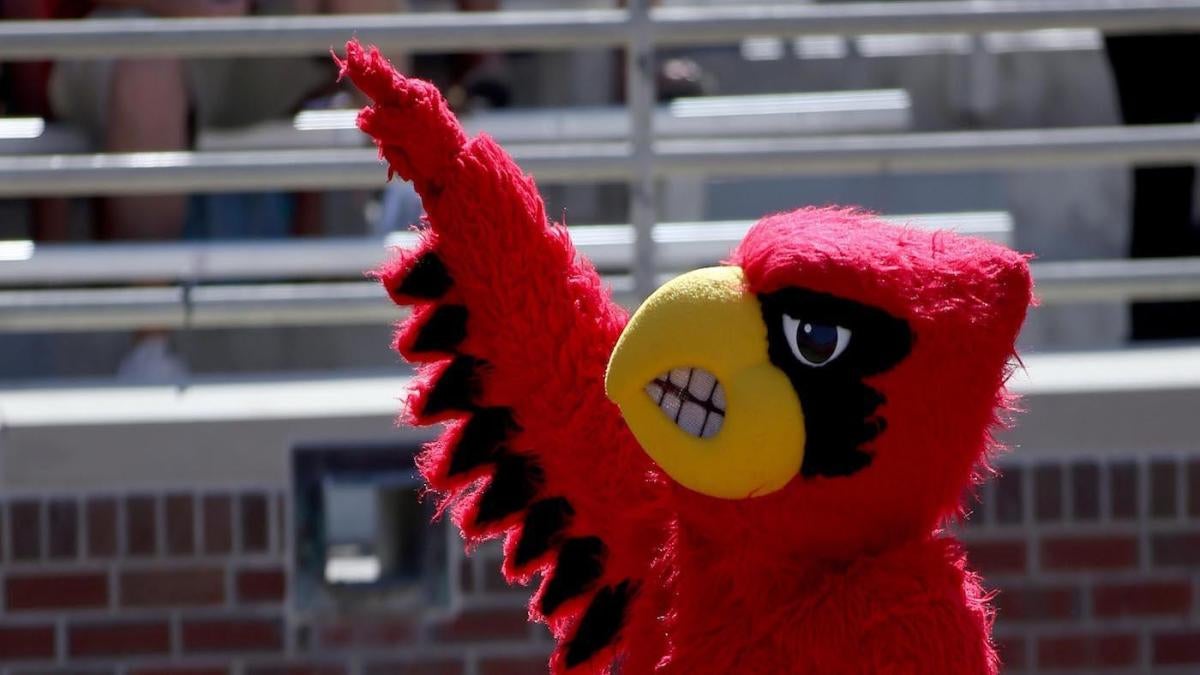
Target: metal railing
point(685, 245)
point(560, 30)
point(335, 168)
point(362, 302)
point(805, 113)
point(638, 30)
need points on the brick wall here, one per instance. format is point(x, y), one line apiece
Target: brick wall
point(187, 583)
point(1097, 564)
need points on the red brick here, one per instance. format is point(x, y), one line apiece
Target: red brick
point(479, 625)
point(67, 670)
point(442, 667)
point(1085, 491)
point(71, 590)
point(1097, 553)
point(261, 585)
point(372, 632)
point(173, 588)
point(1048, 492)
point(1172, 649)
point(255, 522)
point(181, 530)
point(119, 639)
point(1123, 490)
point(218, 524)
point(1012, 653)
point(62, 525)
point(26, 535)
point(1038, 603)
point(102, 527)
point(1087, 651)
point(1142, 599)
point(232, 635)
point(19, 642)
point(1177, 549)
point(1193, 482)
point(296, 669)
point(1007, 496)
point(1163, 490)
point(466, 575)
point(141, 525)
point(281, 521)
point(992, 556)
point(178, 670)
point(513, 666)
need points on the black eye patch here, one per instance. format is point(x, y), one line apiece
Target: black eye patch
point(839, 408)
point(878, 339)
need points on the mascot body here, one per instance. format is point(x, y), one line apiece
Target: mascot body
point(747, 476)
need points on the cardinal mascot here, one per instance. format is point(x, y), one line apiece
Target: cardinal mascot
point(750, 474)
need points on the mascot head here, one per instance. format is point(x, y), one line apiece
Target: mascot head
point(833, 386)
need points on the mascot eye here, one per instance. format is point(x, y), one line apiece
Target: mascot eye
point(815, 344)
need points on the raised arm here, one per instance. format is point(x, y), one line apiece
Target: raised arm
point(513, 330)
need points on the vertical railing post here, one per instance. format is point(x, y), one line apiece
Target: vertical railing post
point(639, 99)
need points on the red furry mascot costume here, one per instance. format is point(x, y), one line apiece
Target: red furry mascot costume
point(751, 473)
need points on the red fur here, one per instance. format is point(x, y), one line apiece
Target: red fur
point(828, 575)
point(525, 289)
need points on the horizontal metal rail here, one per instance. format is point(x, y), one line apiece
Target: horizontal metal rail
point(1117, 280)
point(559, 30)
point(363, 302)
point(821, 112)
point(683, 246)
point(687, 25)
point(162, 172)
point(860, 111)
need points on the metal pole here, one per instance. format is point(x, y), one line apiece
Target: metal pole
point(732, 22)
point(639, 95)
point(360, 302)
point(685, 245)
point(571, 29)
point(167, 172)
point(417, 32)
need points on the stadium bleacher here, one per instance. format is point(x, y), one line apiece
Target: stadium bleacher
point(192, 484)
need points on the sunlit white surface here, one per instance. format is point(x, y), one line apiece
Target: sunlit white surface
point(357, 570)
point(11, 251)
point(322, 120)
point(790, 104)
point(12, 128)
point(279, 399)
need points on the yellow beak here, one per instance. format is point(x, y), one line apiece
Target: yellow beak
point(699, 327)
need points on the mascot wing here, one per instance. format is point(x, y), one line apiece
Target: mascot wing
point(512, 332)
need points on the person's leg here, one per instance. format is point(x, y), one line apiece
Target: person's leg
point(1162, 223)
point(148, 111)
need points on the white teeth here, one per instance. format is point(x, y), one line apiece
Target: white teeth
point(679, 377)
point(692, 398)
point(718, 397)
point(691, 418)
point(702, 384)
point(670, 404)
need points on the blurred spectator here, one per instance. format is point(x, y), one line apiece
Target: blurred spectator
point(478, 80)
point(25, 93)
point(158, 104)
point(130, 105)
point(1163, 224)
